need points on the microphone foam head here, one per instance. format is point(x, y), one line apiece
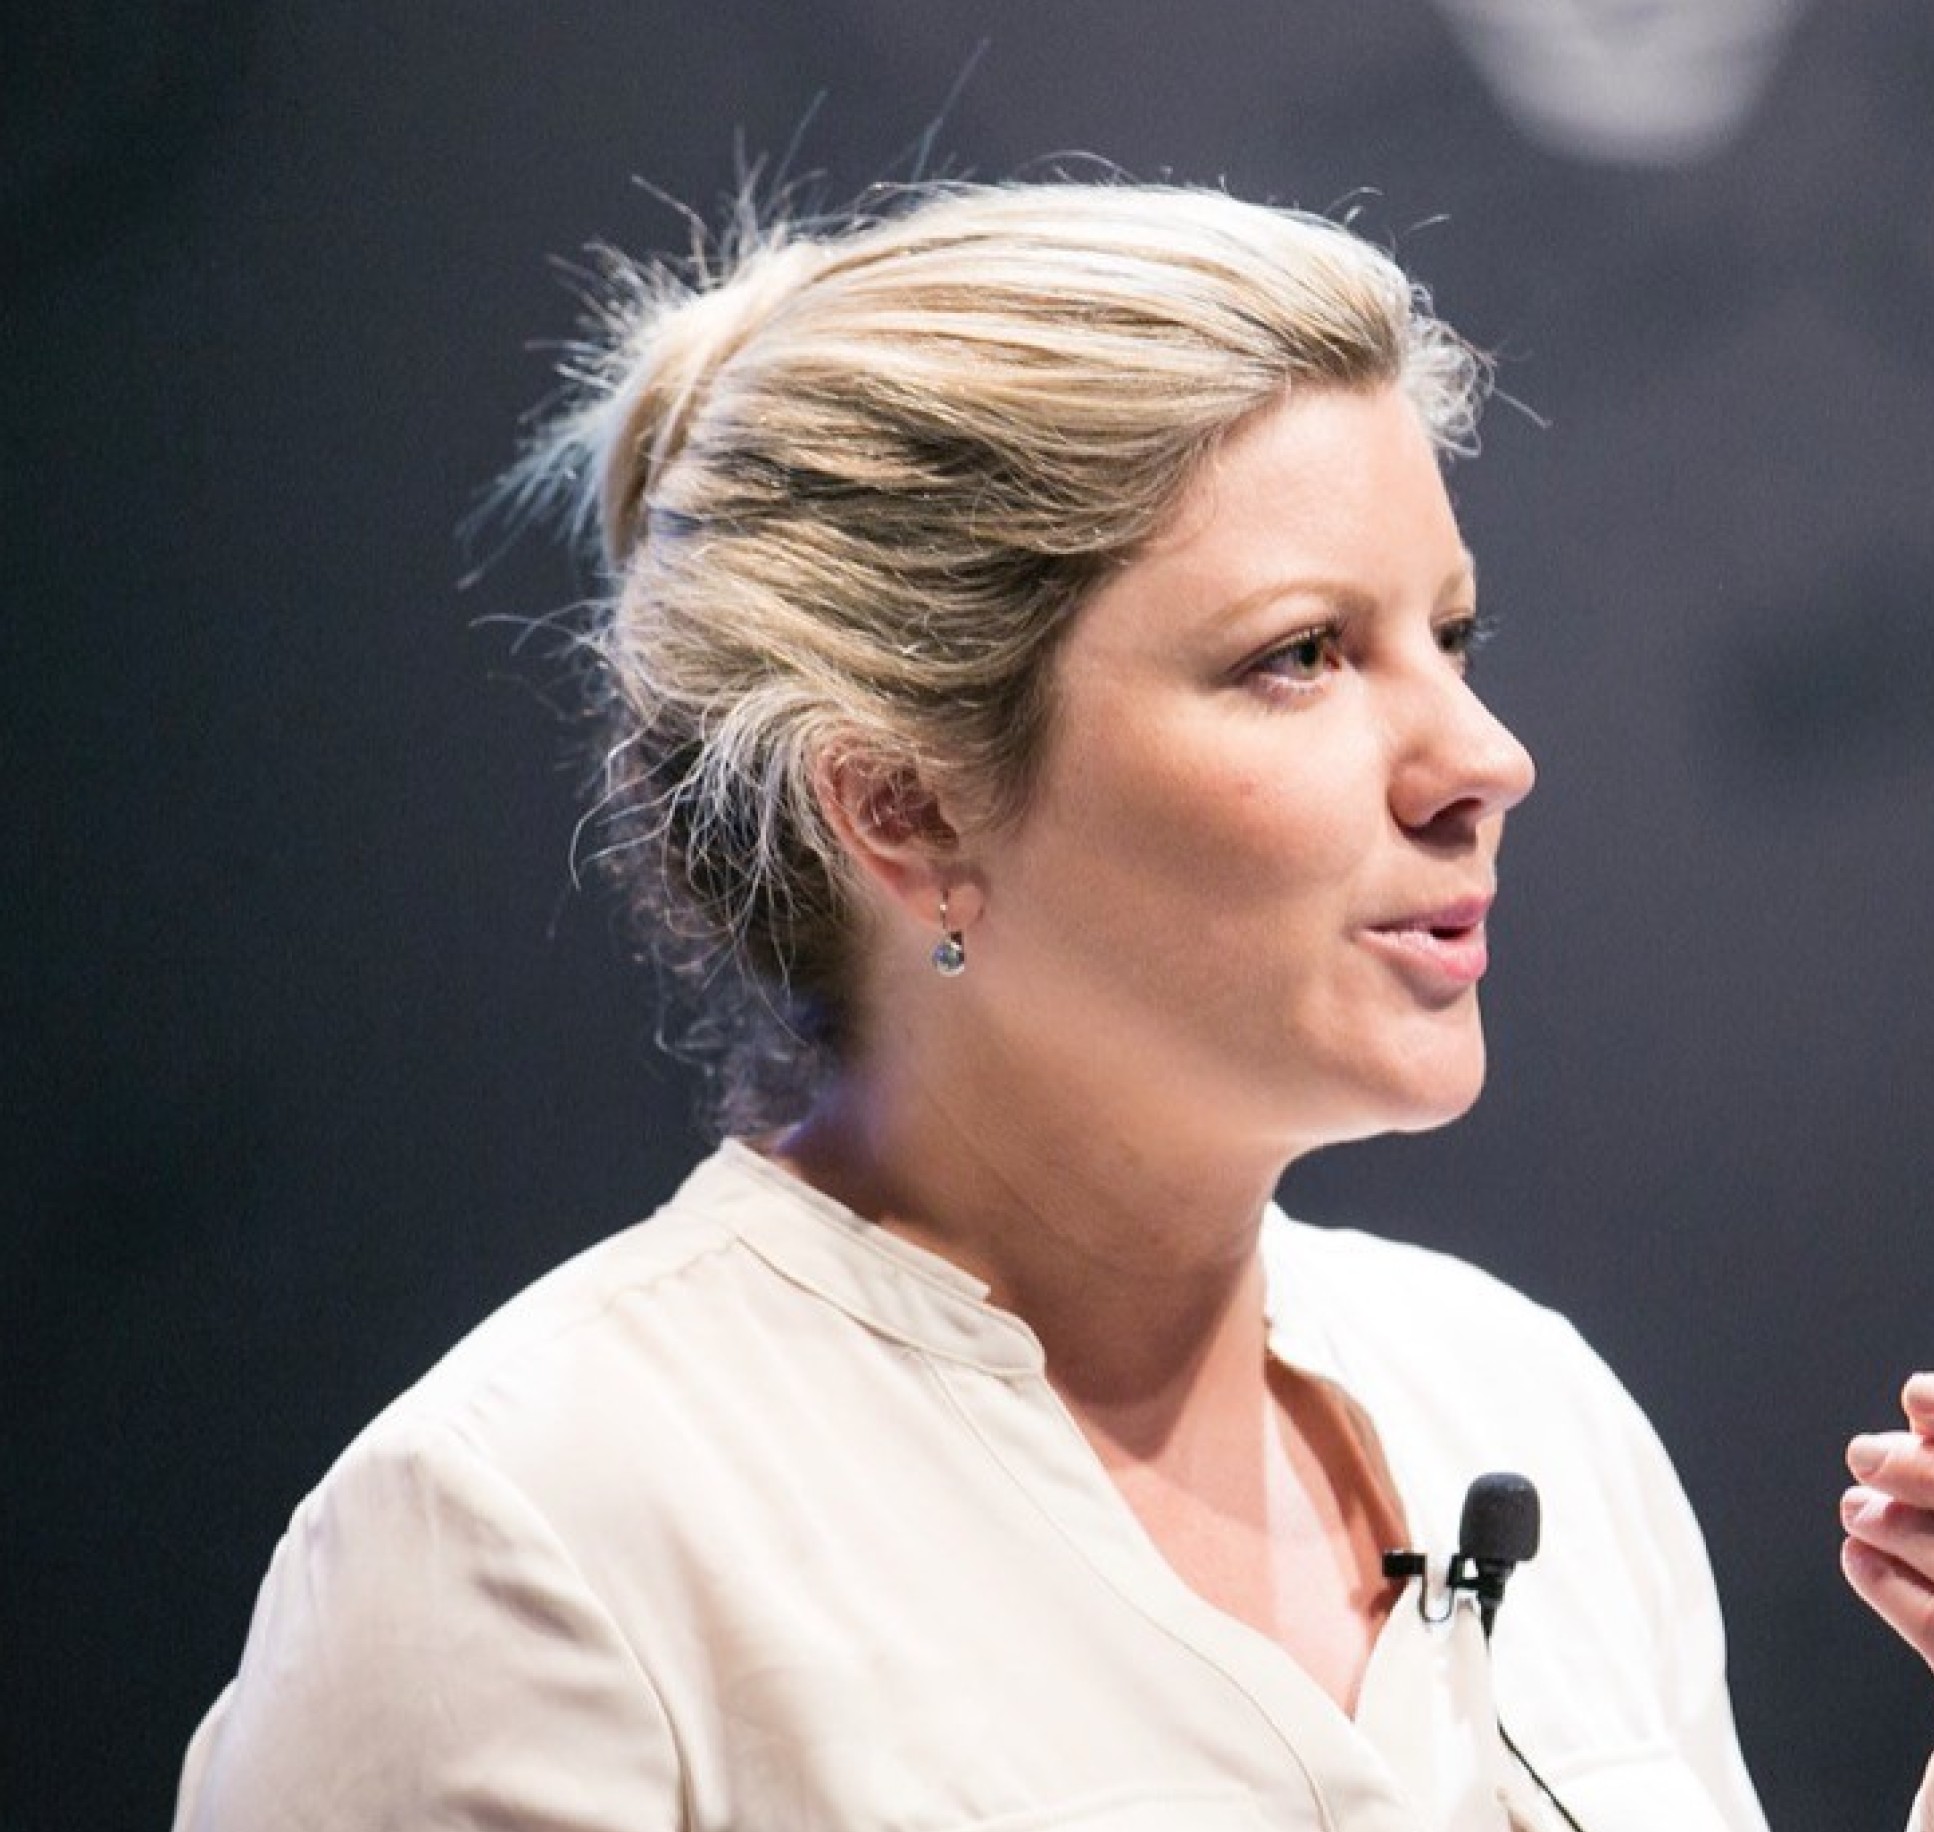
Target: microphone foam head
point(1501, 1519)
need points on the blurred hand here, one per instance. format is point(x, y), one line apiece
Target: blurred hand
point(1888, 1515)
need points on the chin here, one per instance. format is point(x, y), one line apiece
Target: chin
point(1421, 1078)
point(1449, 1095)
point(1374, 1113)
point(1423, 1095)
point(1433, 1118)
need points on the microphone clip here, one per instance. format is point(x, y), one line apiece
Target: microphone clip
point(1498, 1532)
point(1402, 1564)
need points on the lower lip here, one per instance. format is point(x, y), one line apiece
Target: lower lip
point(1437, 960)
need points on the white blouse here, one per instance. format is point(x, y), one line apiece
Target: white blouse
point(756, 1516)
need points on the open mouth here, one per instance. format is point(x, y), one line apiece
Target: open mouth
point(1442, 947)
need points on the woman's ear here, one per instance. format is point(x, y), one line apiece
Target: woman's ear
point(894, 828)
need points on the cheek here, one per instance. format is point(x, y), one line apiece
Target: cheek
point(1218, 844)
point(1312, 811)
point(1204, 809)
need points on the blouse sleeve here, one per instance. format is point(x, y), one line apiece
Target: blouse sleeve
point(424, 1653)
point(1690, 1635)
point(1628, 1687)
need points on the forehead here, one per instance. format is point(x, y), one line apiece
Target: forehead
point(1332, 489)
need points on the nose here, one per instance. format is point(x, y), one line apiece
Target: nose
point(1455, 764)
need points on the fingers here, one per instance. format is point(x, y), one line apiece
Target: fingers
point(1917, 1401)
point(1889, 1518)
point(1899, 1593)
point(1898, 1464)
point(1901, 1463)
point(1904, 1532)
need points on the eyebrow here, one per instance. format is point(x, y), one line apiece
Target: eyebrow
point(1460, 579)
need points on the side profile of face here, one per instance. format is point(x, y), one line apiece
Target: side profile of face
point(1249, 891)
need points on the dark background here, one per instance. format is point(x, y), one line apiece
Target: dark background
point(312, 1053)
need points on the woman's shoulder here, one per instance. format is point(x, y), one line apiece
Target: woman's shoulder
point(1421, 1334)
point(661, 1364)
point(578, 1306)
point(619, 1339)
point(1366, 1277)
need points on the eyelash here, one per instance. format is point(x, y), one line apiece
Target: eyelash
point(1461, 637)
point(1317, 651)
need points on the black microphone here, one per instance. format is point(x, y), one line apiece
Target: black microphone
point(1498, 1532)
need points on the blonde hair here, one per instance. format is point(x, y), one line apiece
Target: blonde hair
point(853, 482)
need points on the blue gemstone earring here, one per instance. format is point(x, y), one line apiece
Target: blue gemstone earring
point(949, 954)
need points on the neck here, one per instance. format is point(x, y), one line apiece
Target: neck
point(1131, 1255)
point(1119, 1220)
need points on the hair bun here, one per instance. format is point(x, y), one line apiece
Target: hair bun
point(672, 359)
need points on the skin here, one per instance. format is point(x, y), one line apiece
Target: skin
point(1201, 952)
point(1195, 957)
point(1888, 1515)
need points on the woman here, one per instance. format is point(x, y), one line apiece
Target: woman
point(1036, 664)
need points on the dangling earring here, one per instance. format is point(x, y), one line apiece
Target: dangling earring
point(949, 954)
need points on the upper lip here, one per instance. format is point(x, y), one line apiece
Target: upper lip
point(1455, 917)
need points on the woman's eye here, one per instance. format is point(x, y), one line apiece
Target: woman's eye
point(1461, 637)
point(1304, 659)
